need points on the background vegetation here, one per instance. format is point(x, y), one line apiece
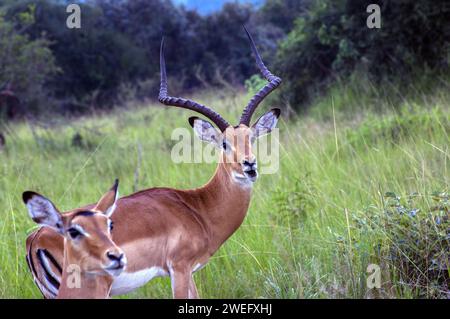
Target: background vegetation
point(364, 166)
point(310, 44)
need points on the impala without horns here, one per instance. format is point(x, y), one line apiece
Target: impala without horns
point(173, 232)
point(90, 257)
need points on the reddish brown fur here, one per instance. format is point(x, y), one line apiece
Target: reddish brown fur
point(89, 254)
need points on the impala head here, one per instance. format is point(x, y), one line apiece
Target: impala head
point(87, 233)
point(235, 141)
point(236, 144)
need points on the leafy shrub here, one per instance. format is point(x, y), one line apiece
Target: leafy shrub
point(25, 63)
point(418, 241)
point(254, 83)
point(118, 45)
point(292, 205)
point(331, 39)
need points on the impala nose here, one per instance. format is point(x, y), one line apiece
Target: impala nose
point(115, 256)
point(117, 264)
point(250, 169)
point(247, 163)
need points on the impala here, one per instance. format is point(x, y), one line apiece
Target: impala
point(172, 232)
point(90, 258)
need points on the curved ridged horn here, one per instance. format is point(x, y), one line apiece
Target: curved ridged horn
point(185, 103)
point(274, 82)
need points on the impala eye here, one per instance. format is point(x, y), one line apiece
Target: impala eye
point(111, 226)
point(225, 145)
point(74, 233)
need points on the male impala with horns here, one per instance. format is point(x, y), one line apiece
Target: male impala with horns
point(174, 232)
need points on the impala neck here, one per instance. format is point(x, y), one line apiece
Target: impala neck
point(84, 286)
point(225, 205)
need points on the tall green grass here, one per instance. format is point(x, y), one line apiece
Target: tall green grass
point(302, 237)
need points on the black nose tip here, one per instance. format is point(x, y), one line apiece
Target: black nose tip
point(247, 163)
point(114, 256)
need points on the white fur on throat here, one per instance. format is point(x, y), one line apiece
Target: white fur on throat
point(127, 281)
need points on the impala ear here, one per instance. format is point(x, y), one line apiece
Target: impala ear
point(205, 130)
point(107, 204)
point(43, 211)
point(266, 123)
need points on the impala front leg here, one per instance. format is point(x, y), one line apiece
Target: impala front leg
point(193, 294)
point(180, 280)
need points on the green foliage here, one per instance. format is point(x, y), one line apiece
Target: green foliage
point(254, 84)
point(94, 60)
point(321, 43)
point(25, 63)
point(417, 239)
point(282, 13)
point(292, 205)
point(331, 40)
point(118, 47)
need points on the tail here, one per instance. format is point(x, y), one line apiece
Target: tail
point(44, 258)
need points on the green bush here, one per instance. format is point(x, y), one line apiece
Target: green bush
point(293, 205)
point(25, 63)
point(417, 235)
point(332, 39)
